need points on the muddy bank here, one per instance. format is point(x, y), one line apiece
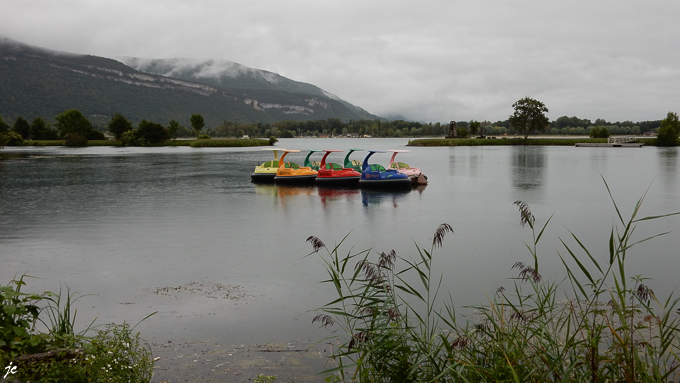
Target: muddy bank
point(206, 361)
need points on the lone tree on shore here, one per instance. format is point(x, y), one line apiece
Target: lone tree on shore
point(667, 135)
point(529, 115)
point(197, 124)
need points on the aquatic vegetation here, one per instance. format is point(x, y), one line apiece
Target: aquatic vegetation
point(598, 324)
point(59, 354)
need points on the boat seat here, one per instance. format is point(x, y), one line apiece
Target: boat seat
point(399, 165)
point(356, 163)
point(333, 166)
point(292, 165)
point(377, 168)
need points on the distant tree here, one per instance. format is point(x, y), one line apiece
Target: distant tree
point(72, 122)
point(474, 127)
point(119, 125)
point(13, 139)
point(40, 130)
point(152, 132)
point(529, 115)
point(22, 127)
point(4, 128)
point(667, 135)
point(173, 128)
point(197, 124)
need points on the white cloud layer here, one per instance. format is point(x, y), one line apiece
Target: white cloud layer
point(427, 60)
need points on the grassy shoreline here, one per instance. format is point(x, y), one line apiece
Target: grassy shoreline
point(211, 143)
point(515, 141)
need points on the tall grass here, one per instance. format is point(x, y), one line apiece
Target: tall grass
point(598, 324)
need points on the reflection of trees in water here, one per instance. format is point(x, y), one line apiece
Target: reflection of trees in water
point(528, 164)
point(668, 162)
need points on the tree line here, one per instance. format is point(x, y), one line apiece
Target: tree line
point(76, 129)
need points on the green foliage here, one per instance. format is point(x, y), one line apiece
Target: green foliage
point(119, 125)
point(4, 128)
point(197, 123)
point(173, 129)
point(131, 138)
point(72, 122)
point(40, 130)
point(114, 354)
point(272, 140)
point(22, 127)
point(262, 378)
point(19, 313)
point(610, 328)
point(529, 115)
point(463, 132)
point(599, 132)
point(76, 140)
point(475, 127)
point(203, 137)
point(667, 135)
point(13, 139)
point(152, 132)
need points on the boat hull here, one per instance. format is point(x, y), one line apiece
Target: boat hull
point(385, 183)
point(351, 180)
point(296, 179)
point(262, 177)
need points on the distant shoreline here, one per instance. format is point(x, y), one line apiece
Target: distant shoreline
point(517, 141)
point(210, 143)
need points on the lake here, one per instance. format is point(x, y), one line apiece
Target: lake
point(184, 232)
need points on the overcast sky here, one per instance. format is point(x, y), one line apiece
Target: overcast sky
point(432, 61)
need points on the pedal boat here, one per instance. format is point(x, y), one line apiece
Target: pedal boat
point(315, 165)
point(354, 164)
point(375, 175)
point(331, 173)
point(267, 171)
point(415, 174)
point(292, 173)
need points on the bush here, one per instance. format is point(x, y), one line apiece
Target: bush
point(130, 138)
point(272, 140)
point(203, 137)
point(76, 140)
point(114, 354)
point(13, 139)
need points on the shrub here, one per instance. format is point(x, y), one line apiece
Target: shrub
point(272, 140)
point(203, 137)
point(131, 138)
point(611, 327)
point(13, 139)
point(114, 354)
point(76, 140)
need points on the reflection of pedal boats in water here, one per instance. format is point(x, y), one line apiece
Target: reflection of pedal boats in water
point(293, 173)
point(267, 170)
point(377, 196)
point(415, 174)
point(375, 175)
point(331, 173)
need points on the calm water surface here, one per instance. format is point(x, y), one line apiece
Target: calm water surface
point(130, 224)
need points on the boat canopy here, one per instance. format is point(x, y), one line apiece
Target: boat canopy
point(352, 164)
point(365, 165)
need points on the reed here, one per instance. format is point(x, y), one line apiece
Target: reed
point(598, 324)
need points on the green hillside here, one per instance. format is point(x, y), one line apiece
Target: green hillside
point(36, 82)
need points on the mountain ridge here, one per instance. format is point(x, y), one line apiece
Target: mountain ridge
point(40, 82)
